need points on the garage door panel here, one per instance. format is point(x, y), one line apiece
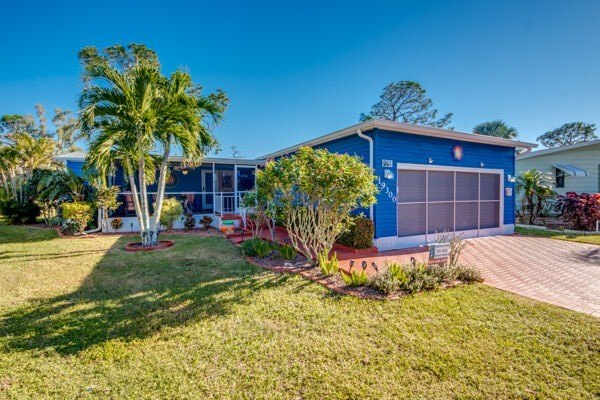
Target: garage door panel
point(440, 217)
point(440, 186)
point(432, 200)
point(490, 187)
point(489, 215)
point(411, 186)
point(467, 186)
point(467, 216)
point(411, 219)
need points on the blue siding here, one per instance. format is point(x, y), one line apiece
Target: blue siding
point(76, 167)
point(414, 149)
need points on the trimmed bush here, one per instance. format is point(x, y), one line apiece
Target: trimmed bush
point(390, 279)
point(468, 274)
point(359, 235)
point(581, 211)
point(79, 213)
point(171, 212)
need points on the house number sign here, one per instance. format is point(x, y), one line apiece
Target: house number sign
point(387, 163)
point(384, 188)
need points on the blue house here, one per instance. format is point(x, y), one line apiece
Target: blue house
point(430, 180)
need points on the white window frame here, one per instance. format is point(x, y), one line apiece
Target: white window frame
point(470, 233)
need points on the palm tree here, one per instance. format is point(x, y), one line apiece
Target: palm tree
point(496, 128)
point(129, 114)
point(536, 188)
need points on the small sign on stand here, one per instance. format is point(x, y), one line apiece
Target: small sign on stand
point(438, 253)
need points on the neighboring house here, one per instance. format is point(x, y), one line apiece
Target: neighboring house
point(430, 180)
point(572, 168)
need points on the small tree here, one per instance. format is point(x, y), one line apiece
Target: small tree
point(260, 204)
point(568, 134)
point(407, 101)
point(536, 188)
point(318, 190)
point(106, 200)
point(172, 210)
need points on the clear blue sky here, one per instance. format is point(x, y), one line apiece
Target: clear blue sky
point(295, 71)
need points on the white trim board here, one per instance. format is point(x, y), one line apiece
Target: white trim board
point(399, 127)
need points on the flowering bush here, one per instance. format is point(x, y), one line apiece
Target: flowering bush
point(580, 210)
point(79, 213)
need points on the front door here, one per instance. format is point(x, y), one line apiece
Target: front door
point(207, 190)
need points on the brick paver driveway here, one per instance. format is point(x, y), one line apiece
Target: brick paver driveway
point(563, 273)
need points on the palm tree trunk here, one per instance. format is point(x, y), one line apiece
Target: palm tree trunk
point(162, 179)
point(145, 233)
point(136, 199)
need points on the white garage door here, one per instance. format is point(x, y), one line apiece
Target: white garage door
point(433, 199)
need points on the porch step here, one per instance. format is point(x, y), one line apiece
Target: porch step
point(229, 217)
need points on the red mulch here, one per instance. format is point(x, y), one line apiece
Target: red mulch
point(137, 246)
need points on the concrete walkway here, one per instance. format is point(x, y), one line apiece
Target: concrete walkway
point(566, 274)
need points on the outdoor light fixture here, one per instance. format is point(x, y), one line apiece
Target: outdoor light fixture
point(482, 165)
point(430, 160)
point(184, 171)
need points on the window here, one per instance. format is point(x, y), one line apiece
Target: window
point(560, 178)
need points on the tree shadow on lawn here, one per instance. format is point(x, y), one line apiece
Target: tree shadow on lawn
point(134, 295)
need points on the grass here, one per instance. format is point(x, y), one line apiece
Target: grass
point(591, 239)
point(83, 318)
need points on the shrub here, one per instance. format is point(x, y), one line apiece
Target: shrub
point(468, 274)
point(457, 245)
point(206, 221)
point(79, 213)
point(443, 273)
point(287, 251)
point(247, 247)
point(359, 234)
point(171, 211)
point(262, 248)
point(328, 267)
point(256, 248)
point(385, 282)
point(116, 223)
point(580, 210)
point(355, 278)
point(189, 221)
point(419, 278)
point(17, 213)
point(390, 279)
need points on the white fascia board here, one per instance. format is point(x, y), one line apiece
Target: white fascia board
point(557, 149)
point(408, 129)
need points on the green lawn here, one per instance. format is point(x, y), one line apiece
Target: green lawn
point(82, 318)
point(592, 239)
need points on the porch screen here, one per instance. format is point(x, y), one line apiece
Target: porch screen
point(431, 201)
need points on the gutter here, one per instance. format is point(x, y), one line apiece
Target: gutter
point(370, 140)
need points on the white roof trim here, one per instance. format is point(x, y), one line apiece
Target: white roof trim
point(571, 170)
point(557, 149)
point(405, 128)
point(80, 156)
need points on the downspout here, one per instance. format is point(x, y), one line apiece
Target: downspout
point(100, 223)
point(370, 140)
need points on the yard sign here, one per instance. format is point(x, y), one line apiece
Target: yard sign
point(439, 252)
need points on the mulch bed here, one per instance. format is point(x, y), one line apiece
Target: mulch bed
point(300, 266)
point(137, 246)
